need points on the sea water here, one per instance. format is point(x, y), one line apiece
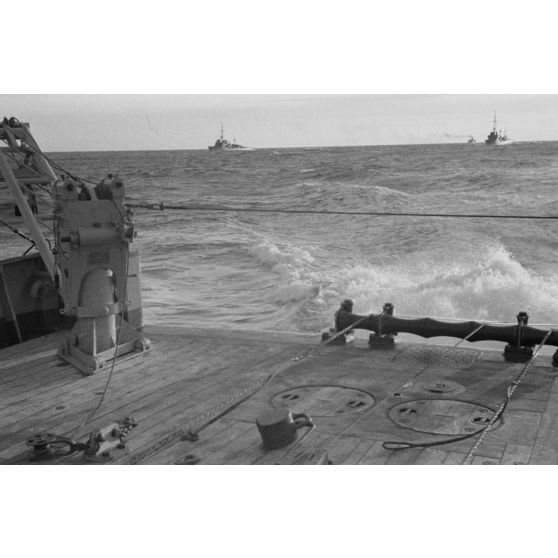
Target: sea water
point(289, 272)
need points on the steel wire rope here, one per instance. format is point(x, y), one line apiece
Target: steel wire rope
point(398, 446)
point(395, 446)
point(37, 149)
point(17, 231)
point(510, 391)
point(201, 422)
point(161, 206)
point(325, 442)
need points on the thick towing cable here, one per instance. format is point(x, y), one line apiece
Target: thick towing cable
point(162, 206)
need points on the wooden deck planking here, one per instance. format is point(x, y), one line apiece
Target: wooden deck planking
point(376, 455)
point(169, 401)
point(54, 383)
point(93, 398)
point(76, 406)
point(209, 395)
point(454, 458)
point(313, 442)
point(139, 365)
point(207, 365)
point(339, 448)
point(358, 452)
point(214, 437)
point(431, 456)
point(48, 376)
point(17, 368)
point(33, 346)
point(545, 447)
point(404, 457)
point(191, 371)
point(492, 447)
point(542, 455)
point(239, 451)
point(519, 427)
point(516, 454)
point(86, 387)
point(77, 393)
point(22, 373)
point(480, 460)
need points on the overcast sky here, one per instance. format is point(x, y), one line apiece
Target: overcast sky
point(137, 122)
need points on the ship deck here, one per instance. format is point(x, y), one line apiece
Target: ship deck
point(358, 398)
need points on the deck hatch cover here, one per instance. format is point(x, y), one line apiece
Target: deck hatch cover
point(441, 416)
point(324, 400)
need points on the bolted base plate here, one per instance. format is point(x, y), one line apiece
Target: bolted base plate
point(344, 339)
point(382, 342)
point(515, 354)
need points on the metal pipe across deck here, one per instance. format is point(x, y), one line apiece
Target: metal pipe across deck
point(427, 327)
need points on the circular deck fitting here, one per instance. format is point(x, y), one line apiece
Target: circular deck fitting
point(324, 400)
point(441, 416)
point(441, 387)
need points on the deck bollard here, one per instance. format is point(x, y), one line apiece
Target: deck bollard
point(379, 339)
point(519, 352)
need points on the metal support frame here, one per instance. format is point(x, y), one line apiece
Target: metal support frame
point(94, 271)
point(11, 136)
point(11, 306)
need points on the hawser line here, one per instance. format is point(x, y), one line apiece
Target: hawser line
point(161, 206)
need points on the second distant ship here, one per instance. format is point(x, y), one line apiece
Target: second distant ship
point(222, 144)
point(496, 137)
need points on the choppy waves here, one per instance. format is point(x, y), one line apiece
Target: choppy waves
point(289, 272)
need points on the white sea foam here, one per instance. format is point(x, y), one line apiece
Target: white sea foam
point(285, 256)
point(298, 275)
point(494, 287)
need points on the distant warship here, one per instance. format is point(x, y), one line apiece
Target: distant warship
point(222, 144)
point(496, 137)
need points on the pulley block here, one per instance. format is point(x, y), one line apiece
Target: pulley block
point(100, 442)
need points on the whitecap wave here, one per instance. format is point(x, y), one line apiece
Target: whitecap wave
point(494, 287)
point(295, 267)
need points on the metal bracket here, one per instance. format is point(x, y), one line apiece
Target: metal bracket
point(517, 354)
point(343, 339)
point(48, 446)
point(132, 344)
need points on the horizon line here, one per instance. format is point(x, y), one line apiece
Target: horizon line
point(481, 142)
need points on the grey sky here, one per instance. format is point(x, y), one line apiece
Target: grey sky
point(120, 122)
